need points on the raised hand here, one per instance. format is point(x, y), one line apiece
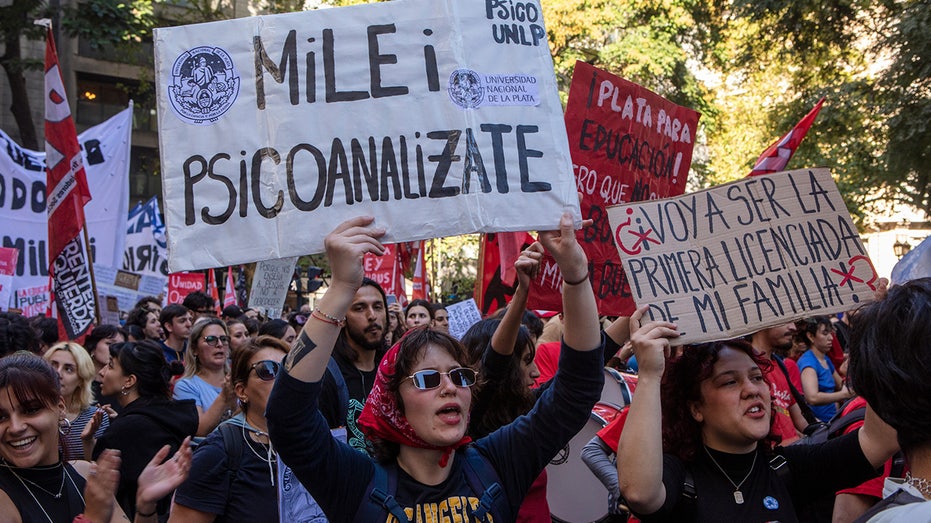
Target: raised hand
point(346, 246)
point(160, 477)
point(650, 342)
point(102, 480)
point(566, 250)
point(528, 264)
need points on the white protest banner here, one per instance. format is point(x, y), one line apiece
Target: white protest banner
point(270, 286)
point(32, 301)
point(8, 257)
point(125, 286)
point(740, 257)
point(437, 117)
point(23, 207)
point(146, 250)
point(462, 315)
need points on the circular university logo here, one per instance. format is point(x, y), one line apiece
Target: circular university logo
point(465, 88)
point(204, 85)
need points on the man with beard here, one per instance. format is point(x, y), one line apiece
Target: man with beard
point(358, 350)
point(788, 420)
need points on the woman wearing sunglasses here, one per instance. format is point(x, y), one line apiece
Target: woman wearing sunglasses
point(233, 475)
point(206, 369)
point(418, 411)
point(137, 375)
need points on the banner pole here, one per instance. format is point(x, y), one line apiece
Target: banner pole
point(90, 266)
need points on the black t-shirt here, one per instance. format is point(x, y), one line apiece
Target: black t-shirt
point(359, 383)
point(813, 470)
point(244, 495)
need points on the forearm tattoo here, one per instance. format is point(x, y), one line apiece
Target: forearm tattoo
point(302, 347)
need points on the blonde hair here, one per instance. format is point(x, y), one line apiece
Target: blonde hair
point(84, 366)
point(191, 363)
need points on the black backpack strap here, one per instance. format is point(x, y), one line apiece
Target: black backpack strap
point(232, 442)
point(482, 477)
point(897, 499)
point(384, 483)
point(342, 391)
point(807, 413)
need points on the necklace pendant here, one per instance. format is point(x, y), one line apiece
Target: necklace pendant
point(57, 496)
point(738, 497)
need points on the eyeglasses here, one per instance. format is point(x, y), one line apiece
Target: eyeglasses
point(214, 341)
point(266, 370)
point(431, 379)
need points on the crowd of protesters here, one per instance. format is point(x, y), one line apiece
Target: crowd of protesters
point(181, 413)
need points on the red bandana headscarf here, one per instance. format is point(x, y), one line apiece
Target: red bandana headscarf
point(381, 418)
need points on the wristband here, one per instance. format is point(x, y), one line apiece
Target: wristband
point(581, 280)
point(326, 318)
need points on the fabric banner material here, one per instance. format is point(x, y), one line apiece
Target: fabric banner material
point(777, 156)
point(628, 144)
point(386, 271)
point(437, 117)
point(23, 208)
point(492, 288)
point(146, 250)
point(915, 264)
point(66, 194)
point(229, 293)
point(740, 257)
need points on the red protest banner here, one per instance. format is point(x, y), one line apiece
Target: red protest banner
point(628, 144)
point(386, 271)
point(180, 284)
point(8, 258)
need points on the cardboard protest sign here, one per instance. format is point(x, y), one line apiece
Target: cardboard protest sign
point(181, 284)
point(270, 286)
point(438, 117)
point(462, 315)
point(24, 206)
point(8, 257)
point(126, 287)
point(740, 257)
point(628, 144)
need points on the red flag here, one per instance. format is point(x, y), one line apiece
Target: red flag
point(213, 290)
point(510, 244)
point(67, 192)
point(777, 155)
point(386, 270)
point(421, 287)
point(229, 295)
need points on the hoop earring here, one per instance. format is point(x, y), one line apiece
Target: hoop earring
point(123, 391)
point(64, 427)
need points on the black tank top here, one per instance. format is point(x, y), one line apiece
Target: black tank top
point(32, 492)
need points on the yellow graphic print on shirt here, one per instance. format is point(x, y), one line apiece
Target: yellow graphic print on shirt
point(456, 509)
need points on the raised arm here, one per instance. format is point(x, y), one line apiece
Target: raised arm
point(345, 247)
point(878, 440)
point(814, 396)
point(640, 449)
point(527, 265)
point(580, 312)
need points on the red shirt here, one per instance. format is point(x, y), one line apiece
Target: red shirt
point(782, 401)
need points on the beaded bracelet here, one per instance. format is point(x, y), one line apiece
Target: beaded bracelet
point(326, 318)
point(580, 280)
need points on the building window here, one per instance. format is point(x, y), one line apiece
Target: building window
point(145, 179)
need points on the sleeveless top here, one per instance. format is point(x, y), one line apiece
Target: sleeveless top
point(32, 491)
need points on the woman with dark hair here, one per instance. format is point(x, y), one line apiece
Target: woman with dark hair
point(280, 329)
point(149, 419)
point(16, 334)
point(417, 413)
point(249, 493)
point(206, 374)
point(821, 384)
point(36, 485)
point(239, 335)
point(710, 456)
point(147, 320)
point(396, 326)
point(418, 313)
point(97, 344)
point(75, 374)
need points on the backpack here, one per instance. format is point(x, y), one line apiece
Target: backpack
point(899, 498)
point(342, 391)
point(480, 475)
point(232, 442)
